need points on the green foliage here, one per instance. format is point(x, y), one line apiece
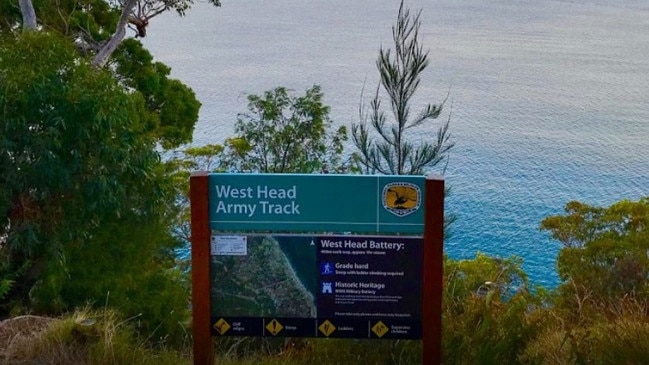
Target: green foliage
point(330, 351)
point(284, 133)
point(71, 138)
point(66, 17)
point(84, 199)
point(6, 277)
point(179, 167)
point(201, 158)
point(128, 267)
point(605, 249)
point(9, 272)
point(82, 182)
point(598, 313)
point(607, 333)
point(465, 278)
point(487, 314)
point(86, 337)
point(391, 152)
point(281, 133)
point(92, 20)
point(5, 285)
point(172, 106)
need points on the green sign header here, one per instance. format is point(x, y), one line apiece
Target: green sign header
point(316, 203)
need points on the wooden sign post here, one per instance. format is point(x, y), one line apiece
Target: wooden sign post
point(433, 270)
point(203, 347)
point(390, 251)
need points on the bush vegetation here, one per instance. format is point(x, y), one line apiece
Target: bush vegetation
point(115, 256)
point(92, 215)
point(490, 316)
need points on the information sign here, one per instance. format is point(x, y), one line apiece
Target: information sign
point(293, 255)
point(316, 203)
point(317, 286)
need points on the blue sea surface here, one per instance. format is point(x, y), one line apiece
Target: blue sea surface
point(547, 99)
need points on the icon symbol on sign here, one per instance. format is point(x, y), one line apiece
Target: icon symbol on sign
point(326, 268)
point(327, 328)
point(380, 329)
point(221, 326)
point(274, 327)
point(326, 287)
point(401, 198)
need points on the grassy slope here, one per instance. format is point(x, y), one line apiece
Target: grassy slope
point(101, 338)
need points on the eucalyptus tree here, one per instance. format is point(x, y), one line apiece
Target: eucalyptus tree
point(86, 204)
point(282, 133)
point(604, 253)
point(97, 28)
point(386, 147)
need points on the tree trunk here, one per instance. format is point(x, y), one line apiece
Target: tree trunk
point(29, 15)
point(101, 58)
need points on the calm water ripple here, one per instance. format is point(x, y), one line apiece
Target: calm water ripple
point(549, 98)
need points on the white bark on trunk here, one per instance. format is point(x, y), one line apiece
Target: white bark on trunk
point(29, 15)
point(101, 58)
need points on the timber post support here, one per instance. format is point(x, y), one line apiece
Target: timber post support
point(203, 347)
point(433, 270)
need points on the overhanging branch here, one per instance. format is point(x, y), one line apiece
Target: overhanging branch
point(28, 13)
point(101, 58)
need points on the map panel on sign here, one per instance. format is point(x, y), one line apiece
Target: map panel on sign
point(303, 281)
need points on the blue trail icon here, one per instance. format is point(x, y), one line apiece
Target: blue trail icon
point(326, 268)
point(326, 288)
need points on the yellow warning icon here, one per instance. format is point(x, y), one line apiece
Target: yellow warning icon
point(380, 329)
point(274, 327)
point(222, 326)
point(327, 328)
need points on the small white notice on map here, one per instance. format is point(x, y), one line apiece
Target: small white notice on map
point(229, 245)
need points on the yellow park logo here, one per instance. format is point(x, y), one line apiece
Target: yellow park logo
point(401, 198)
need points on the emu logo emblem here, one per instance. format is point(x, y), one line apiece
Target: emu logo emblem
point(401, 198)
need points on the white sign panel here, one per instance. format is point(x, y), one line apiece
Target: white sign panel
point(229, 245)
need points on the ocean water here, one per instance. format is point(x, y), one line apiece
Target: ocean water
point(547, 99)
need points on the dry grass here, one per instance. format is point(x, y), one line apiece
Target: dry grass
point(84, 338)
point(102, 338)
point(16, 333)
point(97, 338)
point(614, 332)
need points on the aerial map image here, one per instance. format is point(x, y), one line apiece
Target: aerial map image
point(258, 276)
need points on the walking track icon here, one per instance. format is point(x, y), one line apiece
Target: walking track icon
point(326, 268)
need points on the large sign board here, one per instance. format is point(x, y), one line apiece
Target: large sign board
point(316, 286)
point(316, 203)
point(294, 255)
